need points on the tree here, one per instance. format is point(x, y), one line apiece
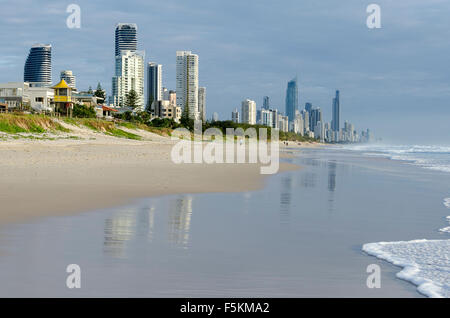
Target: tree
point(100, 93)
point(90, 91)
point(149, 104)
point(131, 99)
point(185, 120)
point(83, 111)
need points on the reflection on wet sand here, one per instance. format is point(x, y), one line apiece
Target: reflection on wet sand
point(180, 212)
point(285, 199)
point(331, 176)
point(331, 183)
point(119, 229)
point(308, 180)
point(138, 223)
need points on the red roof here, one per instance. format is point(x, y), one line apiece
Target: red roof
point(109, 109)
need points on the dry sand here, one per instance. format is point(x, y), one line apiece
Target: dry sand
point(58, 177)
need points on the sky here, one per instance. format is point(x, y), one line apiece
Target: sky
point(394, 80)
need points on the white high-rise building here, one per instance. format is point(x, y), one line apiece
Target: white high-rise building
point(69, 78)
point(299, 124)
point(266, 117)
point(187, 82)
point(129, 76)
point(283, 123)
point(202, 103)
point(319, 131)
point(248, 112)
point(306, 121)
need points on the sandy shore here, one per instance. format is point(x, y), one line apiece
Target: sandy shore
point(57, 177)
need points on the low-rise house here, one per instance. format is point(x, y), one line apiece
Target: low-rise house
point(41, 98)
point(3, 107)
point(85, 98)
point(15, 94)
point(105, 111)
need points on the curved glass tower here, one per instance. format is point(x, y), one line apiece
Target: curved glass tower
point(291, 99)
point(38, 66)
point(126, 37)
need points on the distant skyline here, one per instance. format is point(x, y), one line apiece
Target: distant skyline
point(393, 80)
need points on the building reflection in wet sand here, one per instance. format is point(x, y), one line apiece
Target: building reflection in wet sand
point(138, 222)
point(285, 199)
point(331, 176)
point(119, 229)
point(180, 213)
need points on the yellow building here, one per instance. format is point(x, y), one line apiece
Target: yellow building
point(63, 98)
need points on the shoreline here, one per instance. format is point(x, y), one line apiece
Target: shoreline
point(62, 177)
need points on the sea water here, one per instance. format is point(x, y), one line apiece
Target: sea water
point(426, 263)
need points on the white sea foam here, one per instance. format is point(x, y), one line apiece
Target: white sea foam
point(428, 157)
point(446, 229)
point(426, 263)
point(447, 202)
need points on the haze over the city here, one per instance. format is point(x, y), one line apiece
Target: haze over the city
point(392, 80)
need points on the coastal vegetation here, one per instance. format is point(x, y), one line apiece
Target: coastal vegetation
point(27, 123)
point(83, 116)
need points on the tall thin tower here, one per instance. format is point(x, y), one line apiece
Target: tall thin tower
point(292, 99)
point(187, 82)
point(154, 83)
point(336, 116)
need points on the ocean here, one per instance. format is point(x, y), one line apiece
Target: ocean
point(426, 263)
point(428, 157)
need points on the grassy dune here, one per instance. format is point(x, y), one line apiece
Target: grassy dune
point(37, 124)
point(40, 124)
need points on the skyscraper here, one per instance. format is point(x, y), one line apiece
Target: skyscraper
point(187, 82)
point(129, 76)
point(235, 116)
point(291, 99)
point(69, 78)
point(38, 66)
point(266, 102)
point(335, 116)
point(248, 112)
point(154, 83)
point(129, 66)
point(266, 117)
point(126, 37)
point(305, 115)
point(308, 107)
point(202, 103)
point(315, 117)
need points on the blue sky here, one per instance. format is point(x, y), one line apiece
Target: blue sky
point(394, 80)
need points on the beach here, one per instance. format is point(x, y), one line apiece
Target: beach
point(306, 232)
point(63, 176)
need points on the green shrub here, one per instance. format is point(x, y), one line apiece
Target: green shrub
point(83, 111)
